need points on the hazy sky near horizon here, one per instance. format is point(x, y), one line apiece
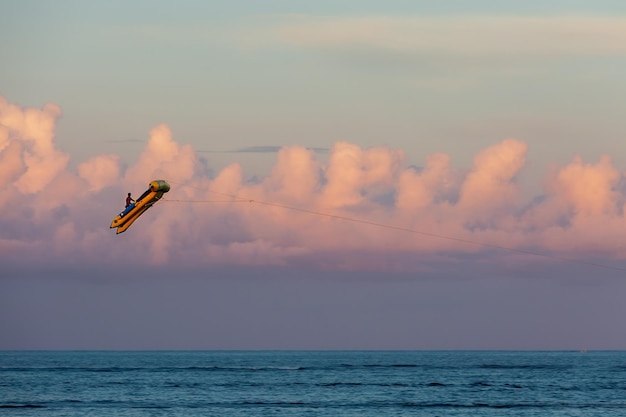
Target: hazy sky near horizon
point(490, 122)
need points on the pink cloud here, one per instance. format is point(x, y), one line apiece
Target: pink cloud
point(589, 189)
point(100, 171)
point(34, 130)
point(489, 187)
point(584, 211)
point(354, 174)
point(295, 177)
point(420, 190)
point(52, 211)
point(163, 158)
point(11, 162)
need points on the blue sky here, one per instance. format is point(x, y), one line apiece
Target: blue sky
point(495, 121)
point(191, 65)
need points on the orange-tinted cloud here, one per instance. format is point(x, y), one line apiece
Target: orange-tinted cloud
point(33, 129)
point(100, 171)
point(52, 211)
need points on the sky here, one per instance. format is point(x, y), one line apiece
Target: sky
point(344, 174)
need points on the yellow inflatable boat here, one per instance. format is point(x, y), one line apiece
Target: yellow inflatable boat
point(153, 194)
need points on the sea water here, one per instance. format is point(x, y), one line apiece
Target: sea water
point(316, 383)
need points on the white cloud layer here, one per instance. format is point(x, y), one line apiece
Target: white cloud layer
point(53, 212)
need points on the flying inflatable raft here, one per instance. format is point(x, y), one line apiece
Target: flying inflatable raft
point(125, 219)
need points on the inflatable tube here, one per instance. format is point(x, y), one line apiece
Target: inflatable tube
point(125, 219)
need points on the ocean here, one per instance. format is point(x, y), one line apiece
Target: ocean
point(312, 383)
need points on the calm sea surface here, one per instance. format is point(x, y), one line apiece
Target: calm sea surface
point(312, 383)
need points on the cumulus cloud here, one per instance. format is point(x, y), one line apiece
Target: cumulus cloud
point(100, 171)
point(489, 187)
point(35, 129)
point(163, 157)
point(305, 212)
point(418, 190)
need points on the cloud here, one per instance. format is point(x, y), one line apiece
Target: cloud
point(163, 157)
point(556, 36)
point(489, 188)
point(100, 171)
point(34, 129)
point(304, 213)
point(448, 53)
point(476, 35)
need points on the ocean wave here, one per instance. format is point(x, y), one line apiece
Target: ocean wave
point(21, 406)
